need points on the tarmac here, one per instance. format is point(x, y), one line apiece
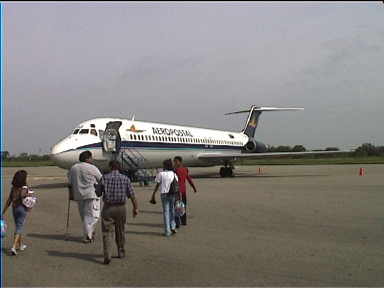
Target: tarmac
point(284, 226)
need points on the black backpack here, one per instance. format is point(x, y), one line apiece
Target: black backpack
point(174, 187)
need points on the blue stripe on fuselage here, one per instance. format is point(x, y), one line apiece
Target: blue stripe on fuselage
point(161, 145)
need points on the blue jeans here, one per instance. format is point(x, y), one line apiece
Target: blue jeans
point(19, 215)
point(168, 202)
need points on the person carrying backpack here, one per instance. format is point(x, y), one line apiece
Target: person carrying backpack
point(167, 181)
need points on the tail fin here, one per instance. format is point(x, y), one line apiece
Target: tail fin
point(253, 117)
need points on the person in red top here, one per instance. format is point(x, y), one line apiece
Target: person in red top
point(182, 174)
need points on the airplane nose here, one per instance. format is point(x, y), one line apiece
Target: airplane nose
point(58, 148)
point(60, 153)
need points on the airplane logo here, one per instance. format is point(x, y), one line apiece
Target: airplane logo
point(133, 129)
point(253, 122)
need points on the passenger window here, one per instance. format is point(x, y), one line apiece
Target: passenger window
point(84, 131)
point(94, 132)
point(76, 131)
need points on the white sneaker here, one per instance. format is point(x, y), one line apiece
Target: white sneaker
point(13, 252)
point(23, 247)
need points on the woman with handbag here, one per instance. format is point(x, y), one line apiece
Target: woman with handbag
point(19, 192)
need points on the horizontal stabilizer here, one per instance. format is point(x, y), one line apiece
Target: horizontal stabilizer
point(261, 109)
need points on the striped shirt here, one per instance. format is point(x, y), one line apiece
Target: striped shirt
point(117, 188)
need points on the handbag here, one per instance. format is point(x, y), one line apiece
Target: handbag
point(99, 189)
point(30, 199)
point(179, 208)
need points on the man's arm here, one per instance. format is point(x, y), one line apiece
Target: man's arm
point(135, 210)
point(191, 182)
point(153, 198)
point(131, 195)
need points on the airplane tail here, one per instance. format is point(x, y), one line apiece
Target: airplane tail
point(253, 117)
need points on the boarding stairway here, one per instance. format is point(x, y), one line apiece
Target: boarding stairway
point(133, 161)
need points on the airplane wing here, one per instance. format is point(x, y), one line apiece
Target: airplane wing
point(221, 157)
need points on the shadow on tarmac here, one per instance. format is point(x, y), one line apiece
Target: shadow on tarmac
point(56, 237)
point(82, 256)
point(152, 225)
point(145, 233)
point(150, 212)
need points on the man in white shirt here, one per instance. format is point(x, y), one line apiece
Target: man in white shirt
point(163, 181)
point(82, 178)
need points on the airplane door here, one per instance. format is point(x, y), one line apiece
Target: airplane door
point(111, 137)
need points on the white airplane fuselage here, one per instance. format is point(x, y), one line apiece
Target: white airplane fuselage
point(154, 142)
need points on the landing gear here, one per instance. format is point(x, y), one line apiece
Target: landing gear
point(226, 171)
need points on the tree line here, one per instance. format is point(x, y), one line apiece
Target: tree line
point(366, 149)
point(6, 156)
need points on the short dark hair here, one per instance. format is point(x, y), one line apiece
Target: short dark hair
point(178, 158)
point(84, 156)
point(167, 164)
point(114, 165)
point(20, 179)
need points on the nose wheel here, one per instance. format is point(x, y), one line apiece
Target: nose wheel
point(226, 172)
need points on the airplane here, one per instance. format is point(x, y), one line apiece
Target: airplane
point(140, 145)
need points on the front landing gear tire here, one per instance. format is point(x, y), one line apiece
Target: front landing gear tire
point(226, 172)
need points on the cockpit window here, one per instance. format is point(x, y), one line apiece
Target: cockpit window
point(84, 131)
point(94, 132)
point(76, 131)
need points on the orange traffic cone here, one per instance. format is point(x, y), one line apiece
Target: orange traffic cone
point(361, 172)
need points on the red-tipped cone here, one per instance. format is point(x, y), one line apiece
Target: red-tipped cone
point(361, 172)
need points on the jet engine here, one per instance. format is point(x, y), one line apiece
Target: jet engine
point(254, 146)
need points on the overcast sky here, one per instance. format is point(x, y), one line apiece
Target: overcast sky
point(189, 63)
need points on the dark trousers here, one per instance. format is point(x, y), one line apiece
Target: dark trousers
point(183, 219)
point(113, 218)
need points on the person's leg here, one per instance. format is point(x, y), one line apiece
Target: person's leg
point(167, 225)
point(184, 217)
point(19, 216)
point(120, 230)
point(107, 226)
point(96, 203)
point(16, 240)
point(172, 212)
point(81, 206)
point(91, 216)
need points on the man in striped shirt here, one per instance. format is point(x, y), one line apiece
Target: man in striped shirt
point(117, 189)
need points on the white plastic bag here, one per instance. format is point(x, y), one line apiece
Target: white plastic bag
point(3, 228)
